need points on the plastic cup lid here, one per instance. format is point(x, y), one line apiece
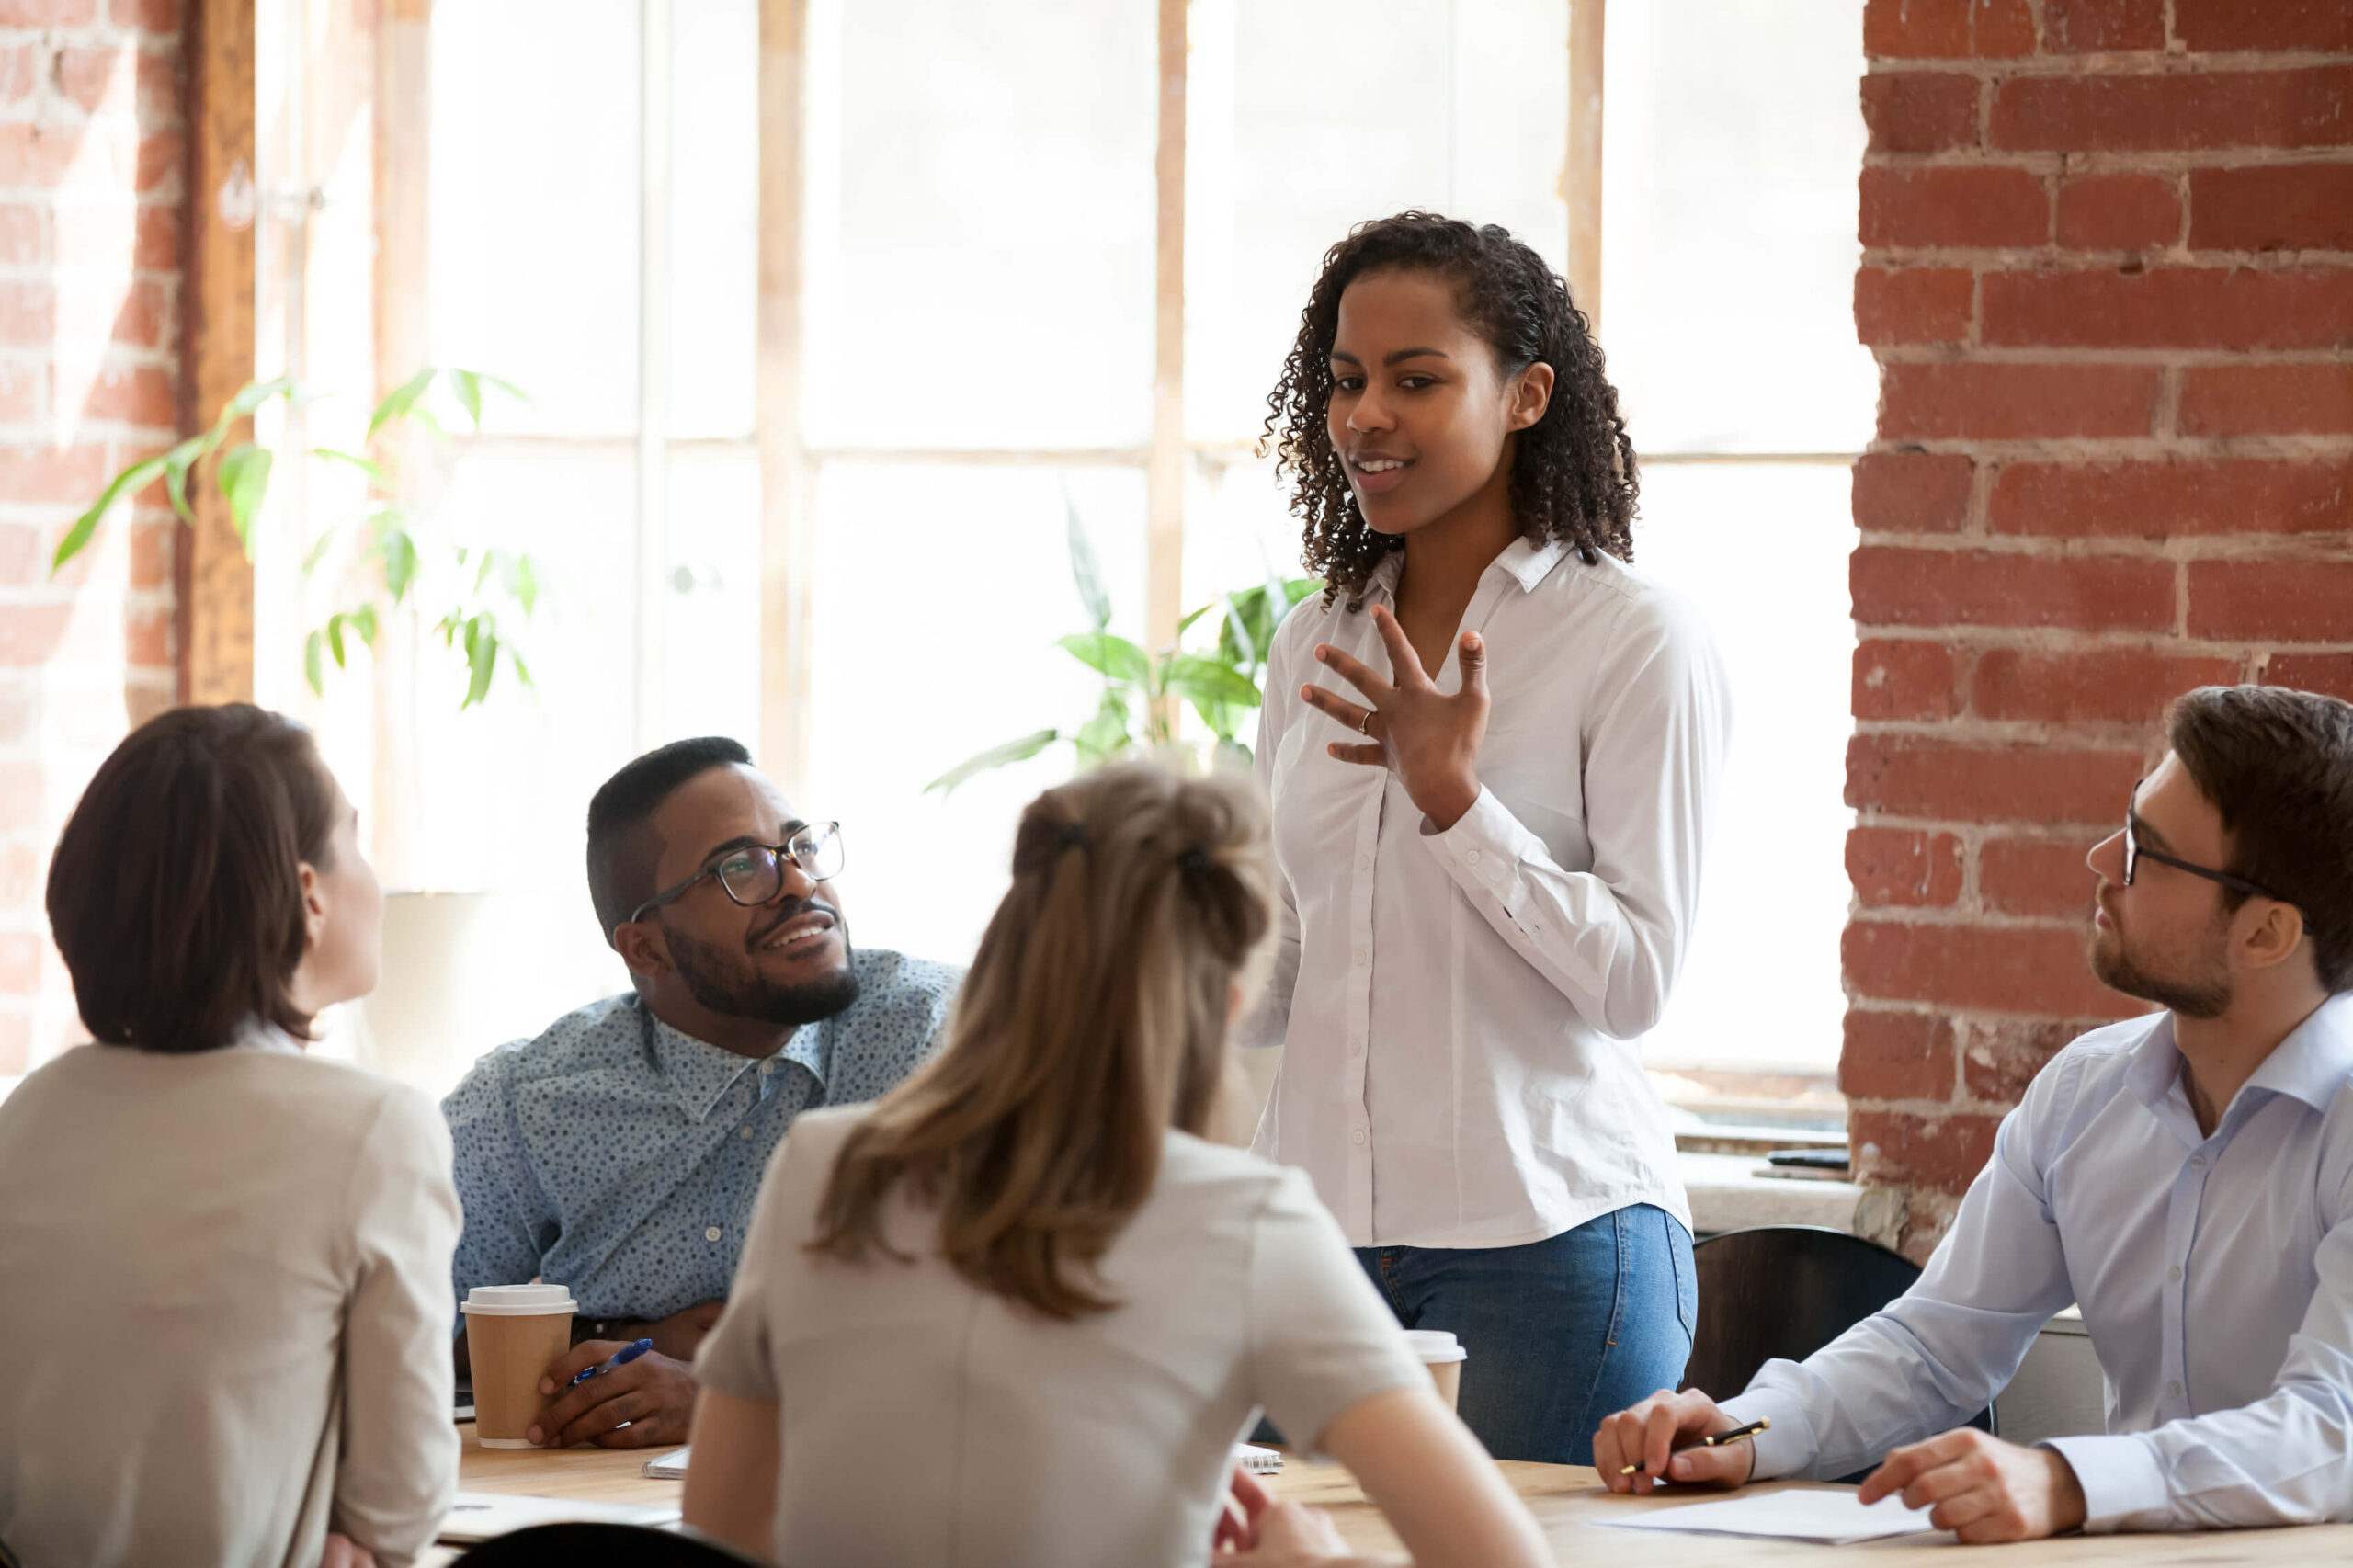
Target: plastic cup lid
point(519, 1301)
point(1435, 1345)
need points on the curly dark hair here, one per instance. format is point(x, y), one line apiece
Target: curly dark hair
point(1572, 474)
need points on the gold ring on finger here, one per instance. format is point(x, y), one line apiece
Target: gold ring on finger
point(1364, 724)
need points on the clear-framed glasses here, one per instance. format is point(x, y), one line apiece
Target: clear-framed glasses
point(754, 873)
point(2135, 852)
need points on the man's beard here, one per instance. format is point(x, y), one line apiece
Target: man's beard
point(730, 983)
point(2207, 996)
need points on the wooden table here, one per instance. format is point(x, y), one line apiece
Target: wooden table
point(1567, 1500)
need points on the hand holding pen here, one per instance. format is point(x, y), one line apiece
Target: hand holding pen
point(1673, 1439)
point(620, 1357)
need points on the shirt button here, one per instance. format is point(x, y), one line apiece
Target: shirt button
point(1356, 1137)
point(1364, 862)
point(744, 1133)
point(1355, 1045)
point(2173, 1389)
point(1359, 958)
point(711, 1234)
point(1473, 856)
point(2173, 1275)
point(768, 1066)
point(2196, 1161)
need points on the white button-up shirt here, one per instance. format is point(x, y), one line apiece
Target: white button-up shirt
point(2215, 1276)
point(1460, 1011)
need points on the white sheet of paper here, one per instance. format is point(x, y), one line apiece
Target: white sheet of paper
point(669, 1466)
point(1826, 1519)
point(479, 1515)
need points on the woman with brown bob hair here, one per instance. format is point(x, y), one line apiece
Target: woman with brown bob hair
point(227, 1263)
point(1019, 1310)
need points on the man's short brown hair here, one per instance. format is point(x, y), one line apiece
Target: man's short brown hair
point(2278, 764)
point(177, 893)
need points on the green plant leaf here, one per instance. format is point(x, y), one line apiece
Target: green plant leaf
point(177, 464)
point(250, 396)
point(1086, 571)
point(482, 573)
point(373, 469)
point(1187, 624)
point(1114, 657)
point(313, 646)
point(482, 659)
point(363, 621)
point(401, 400)
point(1202, 680)
point(129, 482)
point(469, 389)
point(1106, 734)
point(1004, 756)
point(397, 550)
point(335, 639)
point(522, 670)
point(318, 551)
point(527, 583)
point(244, 478)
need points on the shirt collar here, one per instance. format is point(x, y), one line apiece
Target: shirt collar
point(2311, 1064)
point(700, 1073)
point(1523, 562)
point(253, 1034)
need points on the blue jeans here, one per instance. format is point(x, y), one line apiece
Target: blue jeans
point(1560, 1332)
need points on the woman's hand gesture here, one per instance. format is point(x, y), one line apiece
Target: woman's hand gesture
point(1433, 738)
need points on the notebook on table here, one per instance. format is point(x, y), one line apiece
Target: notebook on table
point(480, 1516)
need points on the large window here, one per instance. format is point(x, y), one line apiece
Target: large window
point(979, 361)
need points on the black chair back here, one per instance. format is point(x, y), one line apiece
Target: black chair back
point(600, 1546)
point(1785, 1292)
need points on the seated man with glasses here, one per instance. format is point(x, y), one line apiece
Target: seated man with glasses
point(2185, 1178)
point(618, 1152)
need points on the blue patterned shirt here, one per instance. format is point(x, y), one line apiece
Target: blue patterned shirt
point(618, 1156)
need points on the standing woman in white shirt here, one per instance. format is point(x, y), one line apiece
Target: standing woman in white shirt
point(1492, 750)
point(226, 1263)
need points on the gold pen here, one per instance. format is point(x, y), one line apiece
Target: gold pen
point(1715, 1440)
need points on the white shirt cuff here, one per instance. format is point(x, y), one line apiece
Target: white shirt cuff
point(1787, 1447)
point(2124, 1486)
point(1482, 850)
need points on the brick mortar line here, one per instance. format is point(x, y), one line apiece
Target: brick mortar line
point(2052, 259)
point(2058, 639)
point(2104, 448)
point(2179, 548)
point(2085, 161)
point(2111, 64)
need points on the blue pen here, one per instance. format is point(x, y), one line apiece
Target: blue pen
point(620, 1357)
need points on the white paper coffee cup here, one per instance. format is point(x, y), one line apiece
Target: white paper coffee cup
point(1443, 1355)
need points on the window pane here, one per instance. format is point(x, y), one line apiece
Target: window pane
point(1728, 228)
point(534, 205)
point(981, 222)
point(941, 591)
point(711, 637)
point(1303, 120)
point(1762, 550)
point(714, 215)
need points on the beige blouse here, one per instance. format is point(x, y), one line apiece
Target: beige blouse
point(928, 1421)
point(225, 1289)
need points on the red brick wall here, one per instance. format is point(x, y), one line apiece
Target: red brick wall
point(2107, 273)
point(91, 173)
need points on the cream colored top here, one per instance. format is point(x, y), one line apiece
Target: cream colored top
point(926, 1422)
point(224, 1294)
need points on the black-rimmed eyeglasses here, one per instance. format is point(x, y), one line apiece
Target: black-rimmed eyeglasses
point(2135, 852)
point(754, 873)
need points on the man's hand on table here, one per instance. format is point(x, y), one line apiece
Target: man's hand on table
point(1646, 1436)
point(1983, 1488)
point(644, 1403)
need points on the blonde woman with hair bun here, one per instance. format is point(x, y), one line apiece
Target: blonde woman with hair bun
point(1017, 1311)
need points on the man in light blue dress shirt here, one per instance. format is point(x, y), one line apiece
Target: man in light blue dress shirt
point(618, 1152)
point(2186, 1178)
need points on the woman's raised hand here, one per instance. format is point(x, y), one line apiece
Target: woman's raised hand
point(1433, 738)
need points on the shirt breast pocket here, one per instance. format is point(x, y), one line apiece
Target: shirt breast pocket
point(1539, 776)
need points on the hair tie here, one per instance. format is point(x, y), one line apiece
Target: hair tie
point(1073, 835)
point(1191, 861)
